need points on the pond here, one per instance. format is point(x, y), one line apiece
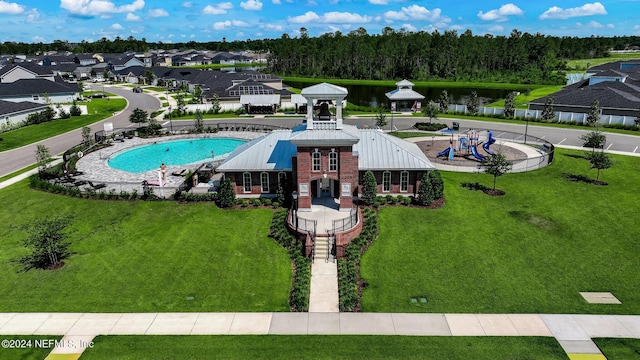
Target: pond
point(366, 95)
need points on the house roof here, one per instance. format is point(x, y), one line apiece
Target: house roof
point(375, 149)
point(36, 86)
point(610, 94)
point(10, 107)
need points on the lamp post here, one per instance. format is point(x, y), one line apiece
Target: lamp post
point(294, 205)
point(526, 127)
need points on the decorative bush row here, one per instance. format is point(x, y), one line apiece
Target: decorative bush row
point(349, 266)
point(299, 295)
point(392, 200)
point(430, 126)
point(88, 193)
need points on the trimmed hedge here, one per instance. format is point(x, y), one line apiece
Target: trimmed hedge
point(349, 267)
point(300, 287)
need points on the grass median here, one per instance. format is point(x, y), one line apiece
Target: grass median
point(98, 109)
point(530, 251)
point(322, 347)
point(144, 257)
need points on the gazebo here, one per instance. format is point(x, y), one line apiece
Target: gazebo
point(404, 97)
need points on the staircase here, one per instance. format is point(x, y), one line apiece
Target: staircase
point(322, 249)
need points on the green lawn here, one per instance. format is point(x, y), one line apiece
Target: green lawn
point(584, 64)
point(98, 109)
point(322, 347)
point(619, 349)
point(522, 100)
point(145, 257)
point(530, 251)
point(33, 347)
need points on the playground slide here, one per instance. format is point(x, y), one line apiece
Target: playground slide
point(474, 152)
point(489, 142)
point(445, 152)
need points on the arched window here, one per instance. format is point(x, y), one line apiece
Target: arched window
point(264, 182)
point(246, 182)
point(404, 181)
point(386, 181)
point(315, 160)
point(333, 160)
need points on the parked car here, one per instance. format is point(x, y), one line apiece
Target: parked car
point(137, 89)
point(98, 96)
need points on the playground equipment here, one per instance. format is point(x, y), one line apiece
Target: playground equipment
point(470, 144)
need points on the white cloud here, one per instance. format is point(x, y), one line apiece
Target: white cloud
point(277, 2)
point(11, 8)
point(379, 2)
point(585, 10)
point(132, 17)
point(311, 3)
point(496, 28)
point(156, 13)
point(33, 16)
point(333, 17)
point(611, 26)
point(415, 12)
point(501, 13)
point(117, 27)
point(307, 17)
point(223, 25)
point(98, 7)
point(409, 27)
point(272, 27)
point(253, 5)
point(217, 9)
point(38, 39)
point(187, 4)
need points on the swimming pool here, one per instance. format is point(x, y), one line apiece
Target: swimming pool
point(172, 153)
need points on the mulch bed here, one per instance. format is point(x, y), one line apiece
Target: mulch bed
point(493, 192)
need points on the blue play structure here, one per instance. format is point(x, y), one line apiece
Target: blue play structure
point(489, 142)
point(474, 152)
point(445, 152)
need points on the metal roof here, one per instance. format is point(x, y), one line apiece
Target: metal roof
point(324, 89)
point(266, 99)
point(272, 152)
point(404, 94)
point(379, 151)
point(298, 99)
point(343, 137)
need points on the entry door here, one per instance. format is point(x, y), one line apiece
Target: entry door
point(325, 187)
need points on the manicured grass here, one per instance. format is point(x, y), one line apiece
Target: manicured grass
point(322, 347)
point(522, 100)
point(144, 257)
point(619, 349)
point(436, 84)
point(584, 64)
point(29, 349)
point(16, 173)
point(98, 109)
point(530, 251)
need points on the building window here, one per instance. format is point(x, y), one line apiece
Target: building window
point(282, 178)
point(386, 181)
point(264, 182)
point(333, 160)
point(315, 158)
point(36, 98)
point(404, 181)
point(246, 182)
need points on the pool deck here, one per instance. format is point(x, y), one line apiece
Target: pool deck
point(95, 168)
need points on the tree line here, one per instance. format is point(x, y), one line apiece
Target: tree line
point(393, 54)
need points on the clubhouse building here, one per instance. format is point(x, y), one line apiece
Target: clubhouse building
point(323, 157)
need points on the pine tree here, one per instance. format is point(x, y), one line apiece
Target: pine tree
point(510, 105)
point(473, 104)
point(369, 188)
point(548, 113)
point(443, 102)
point(226, 195)
point(437, 185)
point(425, 191)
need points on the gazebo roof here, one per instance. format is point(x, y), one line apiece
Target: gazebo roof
point(404, 94)
point(323, 90)
point(404, 82)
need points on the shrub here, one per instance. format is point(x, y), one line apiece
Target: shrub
point(256, 202)
point(429, 126)
point(75, 110)
point(266, 201)
point(275, 204)
point(406, 201)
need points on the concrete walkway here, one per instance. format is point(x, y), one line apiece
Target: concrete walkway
point(573, 332)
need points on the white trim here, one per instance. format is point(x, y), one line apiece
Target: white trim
point(403, 173)
point(244, 182)
point(383, 184)
point(262, 190)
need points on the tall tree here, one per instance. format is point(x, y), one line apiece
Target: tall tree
point(430, 111)
point(473, 104)
point(443, 101)
point(215, 104)
point(226, 195)
point(138, 116)
point(425, 191)
point(548, 113)
point(496, 165)
point(381, 117)
point(198, 123)
point(595, 138)
point(510, 105)
point(86, 135)
point(43, 157)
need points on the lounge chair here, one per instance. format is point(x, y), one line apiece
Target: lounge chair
point(179, 173)
point(96, 186)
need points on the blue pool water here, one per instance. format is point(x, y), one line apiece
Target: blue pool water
point(172, 153)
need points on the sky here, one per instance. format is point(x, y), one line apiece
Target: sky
point(172, 21)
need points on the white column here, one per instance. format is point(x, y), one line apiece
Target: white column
point(309, 114)
point(339, 113)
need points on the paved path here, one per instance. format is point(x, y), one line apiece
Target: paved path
point(573, 332)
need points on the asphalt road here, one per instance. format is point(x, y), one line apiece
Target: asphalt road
point(16, 159)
